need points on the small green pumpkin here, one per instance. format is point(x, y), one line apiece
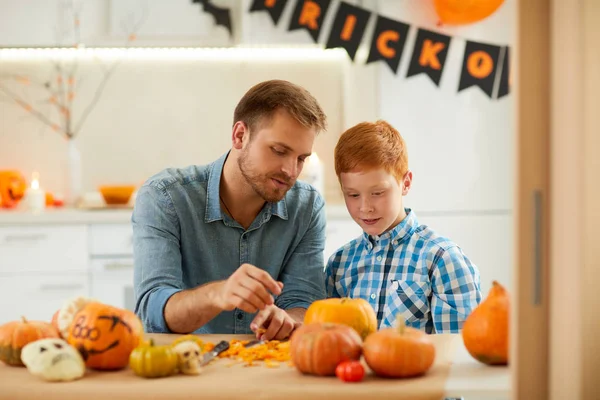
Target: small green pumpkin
point(150, 361)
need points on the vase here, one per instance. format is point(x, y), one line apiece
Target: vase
point(74, 176)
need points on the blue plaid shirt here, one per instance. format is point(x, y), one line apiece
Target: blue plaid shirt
point(408, 270)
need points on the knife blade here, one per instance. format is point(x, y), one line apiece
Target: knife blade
point(218, 349)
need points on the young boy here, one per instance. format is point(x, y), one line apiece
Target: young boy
point(401, 268)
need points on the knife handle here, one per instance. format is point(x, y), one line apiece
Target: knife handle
point(220, 347)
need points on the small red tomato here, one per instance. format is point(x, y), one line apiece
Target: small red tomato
point(350, 371)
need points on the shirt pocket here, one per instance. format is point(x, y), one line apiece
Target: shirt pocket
point(409, 299)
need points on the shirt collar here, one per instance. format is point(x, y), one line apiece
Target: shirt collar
point(399, 233)
point(213, 204)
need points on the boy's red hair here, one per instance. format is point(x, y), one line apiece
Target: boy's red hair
point(371, 145)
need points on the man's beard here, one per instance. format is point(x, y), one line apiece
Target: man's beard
point(260, 183)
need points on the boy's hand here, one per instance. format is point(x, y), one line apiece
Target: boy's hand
point(249, 288)
point(273, 323)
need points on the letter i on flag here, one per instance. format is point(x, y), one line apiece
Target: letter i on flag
point(273, 7)
point(429, 55)
point(388, 42)
point(479, 67)
point(309, 15)
point(348, 28)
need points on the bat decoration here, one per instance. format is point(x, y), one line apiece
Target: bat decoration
point(221, 15)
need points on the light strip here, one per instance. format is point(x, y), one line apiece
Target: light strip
point(176, 53)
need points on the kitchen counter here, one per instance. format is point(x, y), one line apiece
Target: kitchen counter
point(454, 374)
point(99, 215)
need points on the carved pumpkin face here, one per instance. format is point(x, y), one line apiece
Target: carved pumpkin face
point(12, 188)
point(105, 335)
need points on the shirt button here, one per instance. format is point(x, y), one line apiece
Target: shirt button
point(240, 316)
point(373, 296)
point(378, 258)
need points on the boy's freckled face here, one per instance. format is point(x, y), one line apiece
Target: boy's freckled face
point(373, 198)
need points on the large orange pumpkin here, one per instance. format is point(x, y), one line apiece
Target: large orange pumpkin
point(318, 348)
point(459, 12)
point(105, 335)
point(485, 331)
point(400, 352)
point(16, 334)
point(356, 313)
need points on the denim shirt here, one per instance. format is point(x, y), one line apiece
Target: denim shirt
point(182, 239)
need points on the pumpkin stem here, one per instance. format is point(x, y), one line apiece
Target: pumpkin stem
point(24, 319)
point(401, 323)
point(151, 343)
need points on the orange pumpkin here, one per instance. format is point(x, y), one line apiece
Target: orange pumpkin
point(16, 334)
point(105, 335)
point(459, 12)
point(12, 188)
point(356, 313)
point(318, 348)
point(400, 352)
point(485, 331)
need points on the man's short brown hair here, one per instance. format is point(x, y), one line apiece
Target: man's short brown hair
point(262, 100)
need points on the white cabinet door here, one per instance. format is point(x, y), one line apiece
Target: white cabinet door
point(43, 249)
point(37, 297)
point(112, 282)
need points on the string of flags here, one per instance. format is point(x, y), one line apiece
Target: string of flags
point(484, 65)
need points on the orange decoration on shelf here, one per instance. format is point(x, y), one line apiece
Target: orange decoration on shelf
point(461, 12)
point(12, 188)
point(485, 331)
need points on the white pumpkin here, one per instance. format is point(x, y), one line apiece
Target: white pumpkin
point(188, 353)
point(53, 360)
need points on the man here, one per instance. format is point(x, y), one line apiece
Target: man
point(215, 244)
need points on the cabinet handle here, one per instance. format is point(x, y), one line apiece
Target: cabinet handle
point(537, 247)
point(61, 286)
point(25, 238)
point(117, 266)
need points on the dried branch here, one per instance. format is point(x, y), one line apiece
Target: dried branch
point(36, 113)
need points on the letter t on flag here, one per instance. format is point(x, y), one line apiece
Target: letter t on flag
point(429, 55)
point(309, 15)
point(273, 7)
point(388, 42)
point(348, 28)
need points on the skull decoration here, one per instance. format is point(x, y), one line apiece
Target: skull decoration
point(53, 360)
point(188, 353)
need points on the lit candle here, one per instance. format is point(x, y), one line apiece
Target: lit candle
point(313, 172)
point(36, 197)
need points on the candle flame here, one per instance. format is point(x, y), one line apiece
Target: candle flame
point(35, 180)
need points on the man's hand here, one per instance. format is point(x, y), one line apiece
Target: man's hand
point(249, 288)
point(273, 323)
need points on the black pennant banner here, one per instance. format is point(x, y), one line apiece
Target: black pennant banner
point(309, 15)
point(429, 55)
point(480, 64)
point(348, 28)
point(388, 42)
point(273, 7)
point(504, 87)
point(484, 65)
point(221, 15)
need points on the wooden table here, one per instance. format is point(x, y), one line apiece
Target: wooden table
point(454, 374)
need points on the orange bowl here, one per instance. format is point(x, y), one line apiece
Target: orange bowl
point(116, 194)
